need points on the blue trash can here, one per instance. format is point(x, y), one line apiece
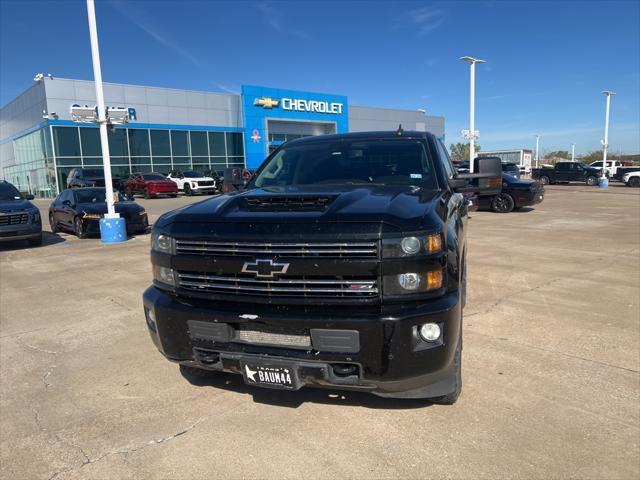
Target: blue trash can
point(113, 230)
point(603, 182)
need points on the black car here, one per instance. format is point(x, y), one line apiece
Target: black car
point(79, 211)
point(342, 264)
point(19, 218)
point(515, 194)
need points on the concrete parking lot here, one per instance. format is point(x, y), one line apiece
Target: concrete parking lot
point(551, 368)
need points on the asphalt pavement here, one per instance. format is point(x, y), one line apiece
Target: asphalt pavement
point(551, 367)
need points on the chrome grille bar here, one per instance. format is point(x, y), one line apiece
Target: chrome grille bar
point(343, 249)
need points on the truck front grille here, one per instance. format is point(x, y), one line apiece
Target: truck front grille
point(302, 250)
point(14, 219)
point(316, 287)
point(205, 183)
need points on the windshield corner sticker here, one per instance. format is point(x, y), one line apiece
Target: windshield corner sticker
point(416, 175)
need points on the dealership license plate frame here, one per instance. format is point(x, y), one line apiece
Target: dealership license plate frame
point(270, 375)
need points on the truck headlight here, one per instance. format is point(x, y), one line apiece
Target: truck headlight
point(164, 275)
point(412, 245)
point(162, 243)
point(412, 282)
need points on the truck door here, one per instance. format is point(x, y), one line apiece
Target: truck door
point(563, 172)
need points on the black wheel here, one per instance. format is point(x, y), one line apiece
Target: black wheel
point(34, 242)
point(196, 373)
point(53, 223)
point(187, 190)
point(78, 228)
point(173, 195)
point(502, 203)
point(634, 182)
point(591, 180)
point(452, 397)
point(544, 180)
point(146, 193)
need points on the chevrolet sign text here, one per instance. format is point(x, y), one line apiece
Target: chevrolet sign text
point(317, 106)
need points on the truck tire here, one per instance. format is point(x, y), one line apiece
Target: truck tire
point(452, 397)
point(591, 180)
point(544, 180)
point(146, 193)
point(634, 182)
point(187, 190)
point(502, 203)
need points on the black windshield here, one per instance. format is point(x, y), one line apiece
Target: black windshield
point(384, 162)
point(8, 192)
point(92, 195)
point(192, 174)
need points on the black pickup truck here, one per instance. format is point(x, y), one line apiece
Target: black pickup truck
point(342, 264)
point(565, 172)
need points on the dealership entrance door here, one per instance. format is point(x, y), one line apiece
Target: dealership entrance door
point(280, 131)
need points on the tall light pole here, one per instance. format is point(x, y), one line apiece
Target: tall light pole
point(112, 227)
point(472, 134)
point(573, 152)
point(605, 142)
point(537, 149)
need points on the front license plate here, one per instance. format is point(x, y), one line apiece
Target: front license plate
point(269, 376)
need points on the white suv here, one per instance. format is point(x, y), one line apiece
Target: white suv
point(191, 182)
point(631, 179)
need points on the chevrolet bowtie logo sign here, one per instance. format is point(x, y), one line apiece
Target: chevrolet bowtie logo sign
point(266, 102)
point(265, 268)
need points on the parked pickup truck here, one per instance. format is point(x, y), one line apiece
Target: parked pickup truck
point(622, 171)
point(341, 264)
point(565, 172)
point(612, 166)
point(632, 179)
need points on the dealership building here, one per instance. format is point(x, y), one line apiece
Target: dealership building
point(171, 129)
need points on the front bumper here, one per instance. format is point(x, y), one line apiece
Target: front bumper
point(25, 231)
point(527, 197)
point(390, 358)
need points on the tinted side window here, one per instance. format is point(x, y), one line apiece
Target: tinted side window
point(563, 166)
point(446, 161)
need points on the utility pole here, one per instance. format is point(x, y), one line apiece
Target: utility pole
point(471, 135)
point(605, 142)
point(537, 149)
point(573, 152)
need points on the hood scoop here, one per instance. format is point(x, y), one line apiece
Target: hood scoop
point(287, 203)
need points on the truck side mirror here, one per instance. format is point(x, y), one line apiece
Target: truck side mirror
point(486, 181)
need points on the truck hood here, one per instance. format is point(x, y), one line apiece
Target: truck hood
point(406, 208)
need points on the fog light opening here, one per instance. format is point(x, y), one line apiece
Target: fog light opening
point(151, 319)
point(344, 369)
point(430, 332)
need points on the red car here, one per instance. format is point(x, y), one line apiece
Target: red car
point(150, 185)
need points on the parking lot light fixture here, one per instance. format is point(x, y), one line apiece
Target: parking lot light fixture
point(605, 141)
point(472, 134)
point(537, 150)
point(573, 152)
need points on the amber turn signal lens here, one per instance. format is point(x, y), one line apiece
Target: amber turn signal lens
point(434, 279)
point(434, 243)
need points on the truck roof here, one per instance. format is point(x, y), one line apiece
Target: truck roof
point(359, 136)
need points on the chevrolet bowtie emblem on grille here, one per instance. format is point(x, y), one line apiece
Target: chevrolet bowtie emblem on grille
point(265, 268)
point(266, 102)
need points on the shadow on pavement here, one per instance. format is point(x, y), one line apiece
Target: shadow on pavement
point(48, 238)
point(293, 399)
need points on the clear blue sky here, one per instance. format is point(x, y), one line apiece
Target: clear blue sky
point(547, 61)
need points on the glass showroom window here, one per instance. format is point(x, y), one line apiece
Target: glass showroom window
point(90, 142)
point(66, 141)
point(160, 144)
point(139, 142)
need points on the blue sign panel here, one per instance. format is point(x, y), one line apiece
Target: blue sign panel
point(261, 104)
